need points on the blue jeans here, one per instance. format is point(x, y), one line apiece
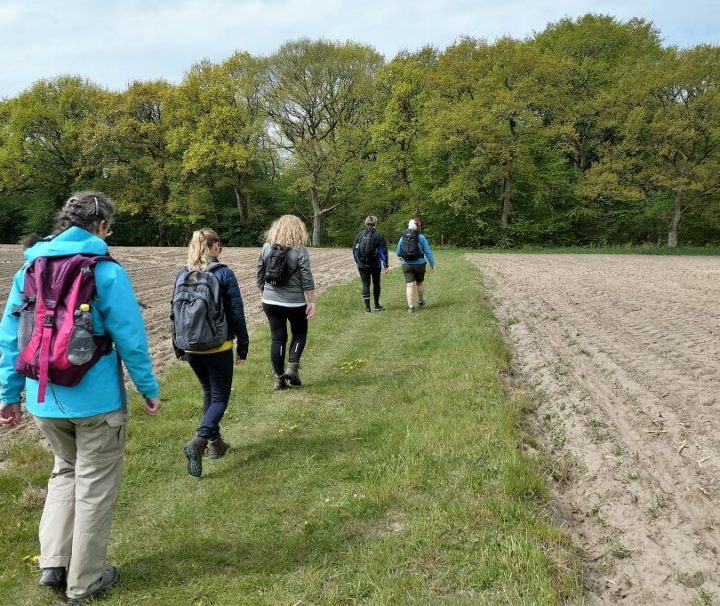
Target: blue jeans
point(215, 373)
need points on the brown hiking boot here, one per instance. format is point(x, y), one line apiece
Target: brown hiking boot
point(217, 448)
point(292, 374)
point(278, 382)
point(194, 450)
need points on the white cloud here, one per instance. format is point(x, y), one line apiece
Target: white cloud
point(115, 42)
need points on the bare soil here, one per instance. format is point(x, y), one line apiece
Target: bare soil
point(623, 352)
point(153, 270)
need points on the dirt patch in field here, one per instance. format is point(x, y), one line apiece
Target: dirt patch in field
point(153, 270)
point(624, 352)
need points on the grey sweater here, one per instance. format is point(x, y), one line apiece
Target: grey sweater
point(301, 279)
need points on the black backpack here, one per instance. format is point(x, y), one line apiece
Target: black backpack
point(410, 245)
point(197, 313)
point(366, 247)
point(277, 270)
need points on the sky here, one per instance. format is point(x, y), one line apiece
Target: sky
point(115, 42)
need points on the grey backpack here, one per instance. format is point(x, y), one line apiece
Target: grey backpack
point(197, 313)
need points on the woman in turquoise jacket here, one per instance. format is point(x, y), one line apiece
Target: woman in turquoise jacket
point(84, 424)
point(414, 252)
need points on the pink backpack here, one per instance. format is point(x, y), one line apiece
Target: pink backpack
point(53, 291)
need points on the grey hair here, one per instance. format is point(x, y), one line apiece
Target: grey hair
point(371, 221)
point(412, 224)
point(85, 209)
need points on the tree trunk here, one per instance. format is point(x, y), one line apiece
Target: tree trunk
point(317, 216)
point(675, 223)
point(506, 200)
point(239, 201)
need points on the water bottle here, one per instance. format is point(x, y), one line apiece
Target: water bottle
point(81, 345)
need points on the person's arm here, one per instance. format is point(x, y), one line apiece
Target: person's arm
point(260, 275)
point(235, 311)
point(12, 382)
point(425, 245)
point(355, 248)
point(307, 281)
point(383, 252)
point(124, 323)
point(310, 300)
point(398, 251)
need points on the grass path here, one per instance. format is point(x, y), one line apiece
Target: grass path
point(393, 476)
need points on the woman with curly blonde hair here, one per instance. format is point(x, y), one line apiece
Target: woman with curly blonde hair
point(288, 295)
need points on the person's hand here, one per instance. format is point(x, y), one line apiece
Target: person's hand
point(240, 360)
point(10, 414)
point(386, 269)
point(152, 406)
point(310, 310)
point(432, 269)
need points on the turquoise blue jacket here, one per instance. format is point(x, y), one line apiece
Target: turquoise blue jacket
point(424, 249)
point(115, 312)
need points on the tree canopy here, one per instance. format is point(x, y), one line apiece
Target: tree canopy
point(589, 132)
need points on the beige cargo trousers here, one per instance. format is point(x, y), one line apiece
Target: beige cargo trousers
point(82, 490)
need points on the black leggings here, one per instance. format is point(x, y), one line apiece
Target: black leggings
point(278, 317)
point(365, 275)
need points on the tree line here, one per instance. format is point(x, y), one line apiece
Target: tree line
point(590, 132)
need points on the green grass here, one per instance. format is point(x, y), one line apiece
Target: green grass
point(393, 476)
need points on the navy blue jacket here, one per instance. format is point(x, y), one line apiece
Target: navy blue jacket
point(234, 309)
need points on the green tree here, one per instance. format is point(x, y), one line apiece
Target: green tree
point(321, 101)
point(219, 126)
point(42, 145)
point(666, 113)
point(493, 107)
point(130, 154)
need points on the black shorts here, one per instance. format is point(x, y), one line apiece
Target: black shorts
point(414, 273)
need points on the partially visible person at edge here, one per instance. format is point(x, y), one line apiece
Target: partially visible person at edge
point(85, 425)
point(292, 302)
point(370, 268)
point(214, 368)
point(414, 269)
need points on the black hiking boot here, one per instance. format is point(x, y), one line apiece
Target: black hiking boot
point(292, 374)
point(379, 307)
point(278, 382)
point(54, 578)
point(109, 578)
point(194, 450)
point(217, 448)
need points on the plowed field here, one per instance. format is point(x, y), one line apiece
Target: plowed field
point(624, 352)
point(153, 270)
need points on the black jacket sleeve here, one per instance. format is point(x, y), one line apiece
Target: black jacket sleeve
point(234, 309)
point(382, 251)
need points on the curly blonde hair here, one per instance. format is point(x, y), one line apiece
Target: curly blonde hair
point(288, 230)
point(199, 254)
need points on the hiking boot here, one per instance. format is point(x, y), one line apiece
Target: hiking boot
point(421, 303)
point(54, 578)
point(292, 374)
point(109, 577)
point(217, 448)
point(379, 308)
point(278, 382)
point(367, 310)
point(411, 309)
point(194, 450)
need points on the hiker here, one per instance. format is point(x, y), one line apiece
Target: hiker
point(203, 333)
point(74, 389)
point(371, 255)
point(288, 295)
point(413, 249)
